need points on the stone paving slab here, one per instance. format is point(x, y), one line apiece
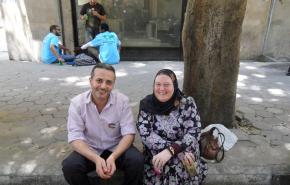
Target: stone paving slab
point(34, 99)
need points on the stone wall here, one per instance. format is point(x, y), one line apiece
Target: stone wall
point(67, 24)
point(254, 27)
point(27, 22)
point(265, 33)
point(278, 41)
point(3, 45)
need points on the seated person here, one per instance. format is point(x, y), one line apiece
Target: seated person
point(101, 131)
point(170, 128)
point(105, 46)
point(51, 48)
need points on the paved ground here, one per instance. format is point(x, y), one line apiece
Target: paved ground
point(33, 108)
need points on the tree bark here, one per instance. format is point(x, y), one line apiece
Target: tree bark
point(211, 44)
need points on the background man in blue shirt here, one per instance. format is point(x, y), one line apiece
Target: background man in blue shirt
point(105, 46)
point(51, 48)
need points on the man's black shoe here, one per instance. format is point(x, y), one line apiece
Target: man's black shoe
point(288, 74)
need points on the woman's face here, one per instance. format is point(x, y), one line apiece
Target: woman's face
point(163, 88)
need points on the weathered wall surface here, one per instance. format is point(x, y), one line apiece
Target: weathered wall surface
point(27, 22)
point(67, 24)
point(254, 28)
point(3, 45)
point(278, 41)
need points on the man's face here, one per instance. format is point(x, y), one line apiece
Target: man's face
point(102, 84)
point(93, 1)
point(57, 31)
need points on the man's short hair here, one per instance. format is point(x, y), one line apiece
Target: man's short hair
point(105, 27)
point(102, 66)
point(53, 27)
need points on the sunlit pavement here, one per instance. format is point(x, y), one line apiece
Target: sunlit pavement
point(34, 99)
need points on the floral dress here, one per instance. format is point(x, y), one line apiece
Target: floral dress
point(182, 126)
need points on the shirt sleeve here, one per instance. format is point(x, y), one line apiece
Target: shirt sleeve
point(97, 41)
point(127, 119)
point(83, 10)
point(54, 41)
point(192, 127)
point(75, 124)
point(102, 10)
point(149, 138)
point(117, 40)
point(85, 46)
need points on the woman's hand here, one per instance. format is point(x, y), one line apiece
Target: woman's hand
point(189, 163)
point(188, 158)
point(161, 159)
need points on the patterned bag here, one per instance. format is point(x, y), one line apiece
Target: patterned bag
point(210, 147)
point(84, 60)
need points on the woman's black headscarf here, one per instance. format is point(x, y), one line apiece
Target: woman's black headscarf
point(152, 105)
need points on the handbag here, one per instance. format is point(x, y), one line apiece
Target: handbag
point(210, 147)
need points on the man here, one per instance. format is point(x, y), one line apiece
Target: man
point(93, 13)
point(51, 48)
point(101, 131)
point(107, 46)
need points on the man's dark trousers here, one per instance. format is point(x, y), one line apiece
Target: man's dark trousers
point(76, 167)
point(288, 73)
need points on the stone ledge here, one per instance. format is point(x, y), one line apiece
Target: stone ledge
point(212, 179)
point(32, 180)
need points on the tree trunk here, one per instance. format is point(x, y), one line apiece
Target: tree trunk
point(211, 44)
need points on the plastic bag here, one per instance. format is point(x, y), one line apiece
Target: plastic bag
point(230, 137)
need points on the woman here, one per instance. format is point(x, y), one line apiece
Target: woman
point(169, 126)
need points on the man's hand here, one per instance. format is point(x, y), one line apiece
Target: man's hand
point(161, 159)
point(84, 149)
point(68, 51)
point(102, 169)
point(85, 17)
point(60, 59)
point(111, 165)
point(95, 13)
point(83, 47)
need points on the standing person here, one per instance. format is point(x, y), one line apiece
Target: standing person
point(105, 46)
point(101, 131)
point(52, 49)
point(93, 13)
point(169, 126)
